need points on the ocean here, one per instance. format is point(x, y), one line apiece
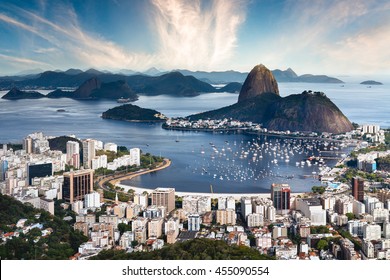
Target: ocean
point(195, 163)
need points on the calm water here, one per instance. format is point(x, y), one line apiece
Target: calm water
point(196, 164)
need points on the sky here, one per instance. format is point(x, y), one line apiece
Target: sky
point(333, 37)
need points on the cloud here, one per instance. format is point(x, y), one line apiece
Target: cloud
point(45, 50)
point(22, 60)
point(196, 34)
point(333, 37)
point(190, 34)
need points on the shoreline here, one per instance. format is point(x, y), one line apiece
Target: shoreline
point(236, 196)
point(117, 181)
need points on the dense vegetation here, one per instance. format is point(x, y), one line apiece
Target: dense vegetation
point(130, 112)
point(14, 147)
point(59, 143)
point(384, 163)
point(62, 243)
point(195, 249)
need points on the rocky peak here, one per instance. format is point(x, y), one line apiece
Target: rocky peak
point(260, 80)
point(85, 90)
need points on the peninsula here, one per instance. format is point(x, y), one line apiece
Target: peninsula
point(259, 101)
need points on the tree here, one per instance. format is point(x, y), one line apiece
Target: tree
point(122, 227)
point(322, 245)
point(350, 216)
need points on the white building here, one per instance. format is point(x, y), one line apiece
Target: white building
point(386, 230)
point(380, 215)
point(372, 232)
point(246, 206)
point(73, 154)
point(88, 152)
point(92, 200)
point(226, 203)
point(141, 199)
point(126, 239)
point(355, 227)
point(312, 209)
point(111, 147)
point(255, 220)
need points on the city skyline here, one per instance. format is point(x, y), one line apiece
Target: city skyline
point(332, 37)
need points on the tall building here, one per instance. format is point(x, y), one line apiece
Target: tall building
point(358, 188)
point(88, 152)
point(246, 206)
point(39, 170)
point(92, 200)
point(155, 227)
point(280, 196)
point(164, 197)
point(3, 169)
point(194, 222)
point(73, 154)
point(77, 184)
point(28, 145)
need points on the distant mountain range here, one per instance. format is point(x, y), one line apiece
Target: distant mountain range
point(190, 83)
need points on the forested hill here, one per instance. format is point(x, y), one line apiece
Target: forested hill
point(194, 249)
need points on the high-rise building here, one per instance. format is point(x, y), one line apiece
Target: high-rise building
point(226, 217)
point(164, 197)
point(39, 170)
point(194, 222)
point(77, 184)
point(155, 227)
point(73, 154)
point(280, 196)
point(92, 200)
point(358, 188)
point(88, 152)
point(28, 145)
point(3, 169)
point(141, 199)
point(246, 206)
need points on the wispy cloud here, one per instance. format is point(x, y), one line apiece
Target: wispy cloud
point(23, 61)
point(191, 34)
point(195, 34)
point(331, 36)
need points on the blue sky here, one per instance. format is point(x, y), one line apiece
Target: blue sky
point(336, 37)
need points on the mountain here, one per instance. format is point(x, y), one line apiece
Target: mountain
point(285, 76)
point(260, 80)
point(308, 111)
point(173, 83)
point(216, 77)
point(371, 82)
point(85, 90)
point(15, 94)
point(60, 94)
point(254, 110)
point(72, 71)
point(281, 76)
point(129, 112)
point(308, 78)
point(95, 89)
point(231, 87)
point(29, 72)
point(114, 90)
point(259, 102)
point(152, 72)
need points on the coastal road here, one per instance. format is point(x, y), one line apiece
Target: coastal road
point(117, 178)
